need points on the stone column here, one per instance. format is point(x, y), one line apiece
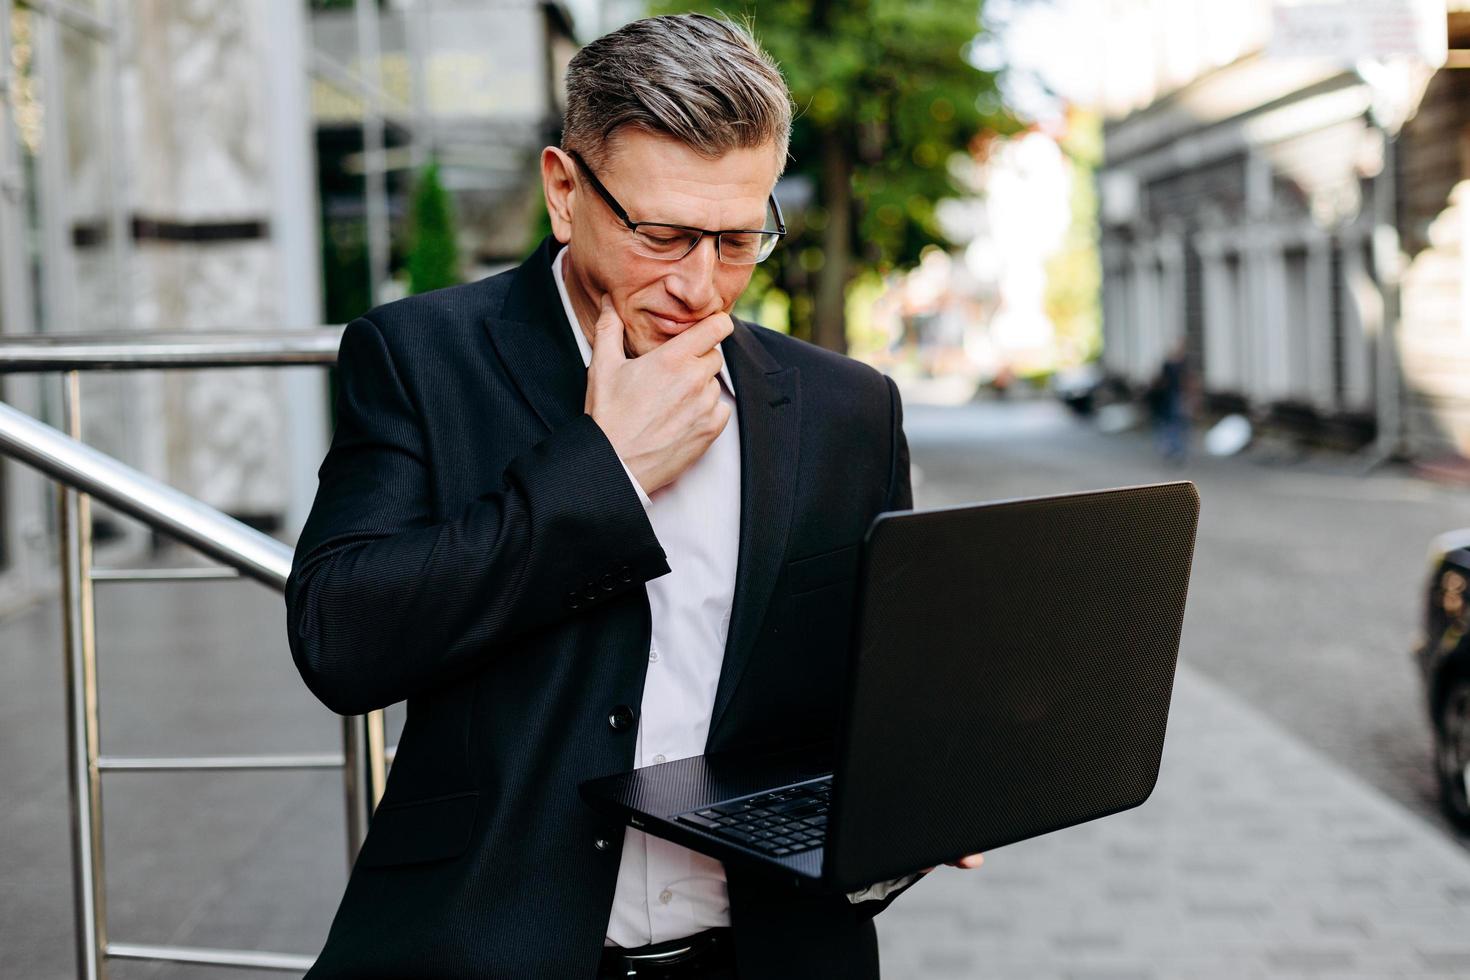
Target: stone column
point(225, 237)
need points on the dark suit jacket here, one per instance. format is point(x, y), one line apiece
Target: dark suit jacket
point(476, 549)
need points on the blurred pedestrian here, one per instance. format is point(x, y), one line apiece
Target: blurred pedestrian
point(1168, 405)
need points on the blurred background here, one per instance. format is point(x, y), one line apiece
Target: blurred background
point(1096, 242)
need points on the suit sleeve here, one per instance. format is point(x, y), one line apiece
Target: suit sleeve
point(900, 488)
point(873, 900)
point(383, 602)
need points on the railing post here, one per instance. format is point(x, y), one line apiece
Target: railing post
point(79, 630)
point(364, 774)
point(355, 774)
point(377, 756)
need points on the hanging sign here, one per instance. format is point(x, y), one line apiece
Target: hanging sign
point(1350, 31)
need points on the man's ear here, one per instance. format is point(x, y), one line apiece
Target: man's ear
point(560, 187)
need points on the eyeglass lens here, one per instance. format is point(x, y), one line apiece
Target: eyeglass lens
point(738, 248)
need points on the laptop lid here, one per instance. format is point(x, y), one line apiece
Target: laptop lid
point(1012, 671)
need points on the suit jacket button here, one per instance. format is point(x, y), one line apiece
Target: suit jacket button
point(602, 843)
point(621, 718)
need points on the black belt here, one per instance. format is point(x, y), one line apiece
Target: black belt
point(690, 956)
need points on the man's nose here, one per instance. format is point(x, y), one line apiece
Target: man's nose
point(692, 280)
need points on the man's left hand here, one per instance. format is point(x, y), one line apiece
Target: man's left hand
point(968, 861)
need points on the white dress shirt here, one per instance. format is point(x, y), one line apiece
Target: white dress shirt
point(665, 891)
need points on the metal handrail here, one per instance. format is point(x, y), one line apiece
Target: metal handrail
point(84, 473)
point(203, 763)
point(211, 957)
point(169, 349)
point(184, 574)
point(156, 504)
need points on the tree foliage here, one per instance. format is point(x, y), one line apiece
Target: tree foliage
point(433, 259)
point(885, 96)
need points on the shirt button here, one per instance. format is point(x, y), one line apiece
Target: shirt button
point(659, 758)
point(665, 896)
point(602, 843)
point(653, 655)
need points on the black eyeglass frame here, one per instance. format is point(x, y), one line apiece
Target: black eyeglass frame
point(779, 231)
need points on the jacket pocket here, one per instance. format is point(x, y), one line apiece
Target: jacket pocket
point(820, 571)
point(419, 831)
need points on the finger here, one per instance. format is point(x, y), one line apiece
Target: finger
point(708, 401)
point(969, 861)
point(722, 417)
point(703, 336)
point(711, 360)
point(607, 336)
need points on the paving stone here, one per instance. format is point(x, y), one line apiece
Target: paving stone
point(948, 962)
point(1450, 960)
point(1081, 942)
point(1309, 960)
point(1342, 925)
point(1235, 910)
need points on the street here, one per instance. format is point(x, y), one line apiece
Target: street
point(1307, 580)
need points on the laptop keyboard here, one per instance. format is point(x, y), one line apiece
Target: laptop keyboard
point(785, 821)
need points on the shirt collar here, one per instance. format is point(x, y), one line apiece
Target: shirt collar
point(581, 338)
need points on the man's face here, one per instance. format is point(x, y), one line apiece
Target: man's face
point(655, 178)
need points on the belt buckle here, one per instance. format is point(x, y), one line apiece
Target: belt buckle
point(643, 964)
point(667, 958)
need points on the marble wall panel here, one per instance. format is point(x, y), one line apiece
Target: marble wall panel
point(196, 70)
point(222, 432)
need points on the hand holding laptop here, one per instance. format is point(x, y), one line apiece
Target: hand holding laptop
point(968, 861)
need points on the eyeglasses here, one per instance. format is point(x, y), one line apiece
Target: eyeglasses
point(670, 243)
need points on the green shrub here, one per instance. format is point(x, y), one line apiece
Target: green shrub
point(433, 259)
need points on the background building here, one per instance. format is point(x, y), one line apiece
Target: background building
point(1296, 223)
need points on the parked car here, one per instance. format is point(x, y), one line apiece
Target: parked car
point(1444, 660)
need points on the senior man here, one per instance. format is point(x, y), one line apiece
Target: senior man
point(582, 520)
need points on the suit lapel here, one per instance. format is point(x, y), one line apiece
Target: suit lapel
point(768, 400)
point(534, 340)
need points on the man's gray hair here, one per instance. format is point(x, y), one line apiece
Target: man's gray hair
point(703, 81)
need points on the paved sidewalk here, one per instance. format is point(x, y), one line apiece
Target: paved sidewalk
point(1255, 857)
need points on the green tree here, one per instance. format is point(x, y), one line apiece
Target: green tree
point(885, 96)
point(433, 260)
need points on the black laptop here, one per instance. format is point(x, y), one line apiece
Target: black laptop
point(1011, 669)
